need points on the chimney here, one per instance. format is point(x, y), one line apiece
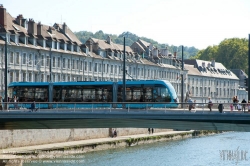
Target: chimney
point(32, 28)
point(65, 28)
point(3, 17)
point(39, 28)
point(19, 19)
point(89, 45)
point(109, 40)
point(213, 63)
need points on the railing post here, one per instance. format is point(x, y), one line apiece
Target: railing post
point(92, 107)
point(128, 107)
point(75, 107)
point(110, 107)
point(165, 108)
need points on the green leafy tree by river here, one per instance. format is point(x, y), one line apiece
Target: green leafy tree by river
point(232, 53)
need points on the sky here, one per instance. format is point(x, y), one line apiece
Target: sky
point(198, 23)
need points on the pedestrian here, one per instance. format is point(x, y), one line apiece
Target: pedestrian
point(194, 105)
point(1, 106)
point(15, 102)
point(235, 100)
point(239, 107)
point(33, 106)
point(190, 106)
point(115, 133)
point(244, 102)
point(248, 106)
point(231, 107)
point(148, 130)
point(210, 104)
point(152, 130)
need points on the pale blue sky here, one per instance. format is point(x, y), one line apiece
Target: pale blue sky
point(197, 23)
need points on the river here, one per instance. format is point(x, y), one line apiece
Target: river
point(231, 148)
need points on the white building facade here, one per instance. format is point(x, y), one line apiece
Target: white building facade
point(41, 53)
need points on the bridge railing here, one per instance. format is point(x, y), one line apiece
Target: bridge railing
point(124, 106)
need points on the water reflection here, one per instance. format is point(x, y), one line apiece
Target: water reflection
point(193, 151)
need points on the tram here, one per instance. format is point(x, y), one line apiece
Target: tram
point(102, 93)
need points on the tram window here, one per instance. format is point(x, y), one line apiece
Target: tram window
point(148, 94)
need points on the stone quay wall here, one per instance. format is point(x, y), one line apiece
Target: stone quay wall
point(21, 138)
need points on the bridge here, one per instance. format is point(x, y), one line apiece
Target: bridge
point(177, 119)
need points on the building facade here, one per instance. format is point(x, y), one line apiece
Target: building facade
point(40, 53)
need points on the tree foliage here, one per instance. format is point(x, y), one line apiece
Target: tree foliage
point(232, 53)
point(83, 36)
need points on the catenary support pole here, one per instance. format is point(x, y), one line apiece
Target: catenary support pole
point(182, 68)
point(248, 82)
point(5, 75)
point(124, 70)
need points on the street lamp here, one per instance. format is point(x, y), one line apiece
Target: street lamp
point(182, 83)
point(5, 73)
point(124, 70)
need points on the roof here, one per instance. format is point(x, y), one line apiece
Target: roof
point(103, 44)
point(47, 32)
point(211, 69)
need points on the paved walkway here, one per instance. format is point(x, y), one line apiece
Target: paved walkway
point(54, 146)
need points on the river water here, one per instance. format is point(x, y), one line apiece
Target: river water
point(231, 148)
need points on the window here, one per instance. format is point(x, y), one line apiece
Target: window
point(24, 58)
point(73, 64)
point(77, 64)
point(104, 68)
point(47, 60)
point(111, 68)
point(17, 76)
point(30, 59)
point(115, 69)
point(95, 67)
point(12, 57)
point(81, 66)
point(68, 63)
point(64, 62)
point(54, 62)
point(90, 66)
point(85, 66)
point(11, 76)
point(36, 59)
point(30, 77)
point(42, 59)
point(36, 77)
point(58, 62)
point(17, 58)
point(107, 68)
point(100, 68)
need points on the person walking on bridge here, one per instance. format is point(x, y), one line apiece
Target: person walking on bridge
point(1, 106)
point(190, 106)
point(210, 104)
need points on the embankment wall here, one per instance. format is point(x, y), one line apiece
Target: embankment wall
point(20, 138)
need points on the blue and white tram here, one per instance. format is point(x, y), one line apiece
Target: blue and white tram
point(74, 94)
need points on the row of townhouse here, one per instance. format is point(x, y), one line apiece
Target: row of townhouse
point(40, 53)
